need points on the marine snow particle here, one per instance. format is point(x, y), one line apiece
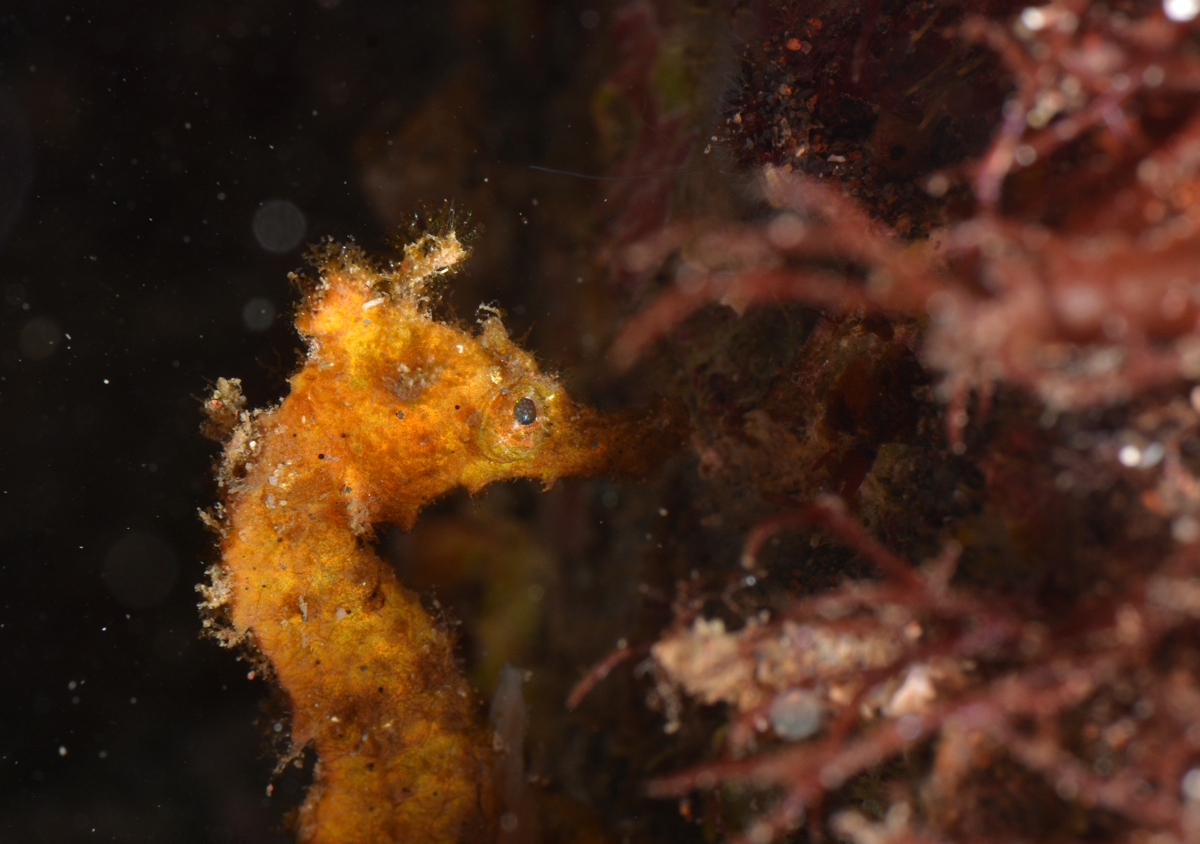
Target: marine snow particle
point(1129, 455)
point(1181, 10)
point(1191, 784)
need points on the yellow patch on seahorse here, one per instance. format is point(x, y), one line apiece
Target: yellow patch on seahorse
point(391, 409)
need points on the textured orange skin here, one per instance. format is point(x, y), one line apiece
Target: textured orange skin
point(391, 409)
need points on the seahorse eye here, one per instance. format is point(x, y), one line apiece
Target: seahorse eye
point(525, 411)
point(517, 420)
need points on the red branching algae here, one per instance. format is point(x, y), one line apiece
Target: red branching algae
point(1010, 192)
point(1072, 319)
point(1072, 303)
point(910, 659)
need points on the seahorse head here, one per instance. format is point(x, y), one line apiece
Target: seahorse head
point(440, 405)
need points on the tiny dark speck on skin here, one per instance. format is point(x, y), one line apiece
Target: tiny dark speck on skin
point(399, 414)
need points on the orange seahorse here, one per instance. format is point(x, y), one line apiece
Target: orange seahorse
point(391, 409)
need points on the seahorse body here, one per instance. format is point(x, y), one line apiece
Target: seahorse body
point(390, 410)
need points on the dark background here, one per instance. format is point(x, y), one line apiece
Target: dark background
point(137, 142)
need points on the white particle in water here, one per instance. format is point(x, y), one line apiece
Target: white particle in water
point(1191, 784)
point(1129, 455)
point(1181, 10)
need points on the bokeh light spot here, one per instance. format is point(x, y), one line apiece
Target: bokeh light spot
point(258, 314)
point(140, 569)
point(279, 226)
point(39, 338)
